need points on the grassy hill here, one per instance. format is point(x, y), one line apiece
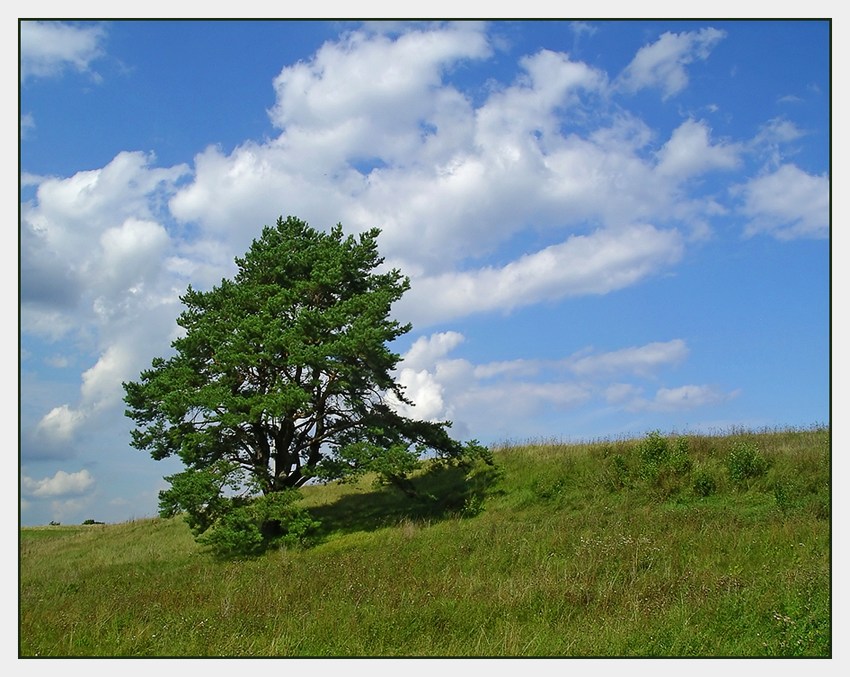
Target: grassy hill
point(661, 546)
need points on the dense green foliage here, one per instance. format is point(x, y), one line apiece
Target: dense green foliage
point(560, 550)
point(283, 375)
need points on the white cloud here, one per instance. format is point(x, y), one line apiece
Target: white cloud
point(687, 397)
point(513, 368)
point(630, 397)
point(580, 29)
point(92, 252)
point(788, 203)
point(515, 393)
point(71, 212)
point(689, 151)
point(372, 88)
point(102, 382)
point(131, 253)
point(638, 360)
point(773, 141)
point(445, 180)
point(778, 130)
point(662, 64)
point(585, 264)
point(550, 81)
point(426, 394)
point(126, 351)
point(427, 350)
point(67, 280)
point(514, 401)
point(48, 47)
point(450, 182)
point(61, 484)
point(60, 423)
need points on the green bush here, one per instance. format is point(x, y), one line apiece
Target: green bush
point(745, 462)
point(235, 533)
point(265, 522)
point(659, 458)
point(652, 452)
point(704, 483)
point(473, 505)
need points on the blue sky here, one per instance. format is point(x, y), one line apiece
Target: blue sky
point(610, 227)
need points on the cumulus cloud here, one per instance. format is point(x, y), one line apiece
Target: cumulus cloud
point(94, 235)
point(585, 264)
point(62, 484)
point(60, 423)
point(448, 179)
point(549, 81)
point(102, 382)
point(47, 48)
point(130, 253)
point(426, 394)
point(482, 395)
point(366, 94)
point(92, 252)
point(662, 64)
point(70, 212)
point(690, 151)
point(788, 203)
point(48, 282)
point(427, 350)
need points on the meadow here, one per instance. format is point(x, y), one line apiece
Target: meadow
point(666, 545)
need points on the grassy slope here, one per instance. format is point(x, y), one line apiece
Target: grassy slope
point(573, 554)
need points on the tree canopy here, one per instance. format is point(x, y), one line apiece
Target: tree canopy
point(282, 374)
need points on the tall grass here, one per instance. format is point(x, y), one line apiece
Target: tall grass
point(572, 550)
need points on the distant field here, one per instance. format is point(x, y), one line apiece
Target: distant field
point(660, 546)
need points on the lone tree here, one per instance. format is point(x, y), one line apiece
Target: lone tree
point(283, 374)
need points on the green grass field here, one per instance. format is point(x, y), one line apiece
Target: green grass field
point(719, 546)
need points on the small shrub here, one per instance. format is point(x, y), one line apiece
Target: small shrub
point(236, 533)
point(659, 458)
point(653, 453)
point(704, 483)
point(267, 521)
point(472, 506)
point(745, 462)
